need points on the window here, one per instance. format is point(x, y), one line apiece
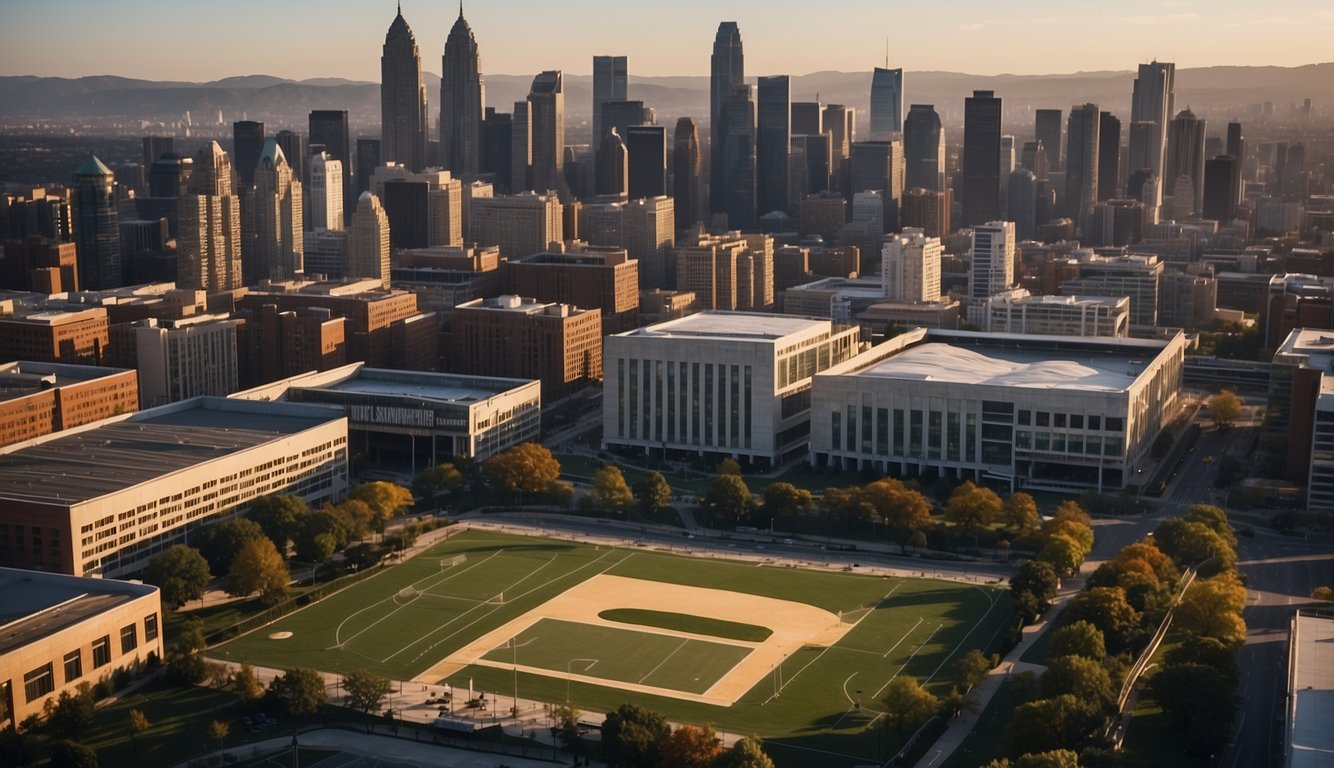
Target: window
point(1025, 417)
point(1059, 420)
point(129, 638)
point(1114, 424)
point(1044, 419)
point(1095, 423)
point(150, 627)
point(102, 651)
point(836, 429)
point(73, 666)
point(38, 683)
point(1076, 421)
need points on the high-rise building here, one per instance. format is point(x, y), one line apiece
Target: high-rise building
point(612, 166)
point(886, 103)
point(247, 143)
point(293, 146)
point(981, 158)
point(1109, 155)
point(521, 148)
point(328, 128)
point(807, 118)
point(275, 213)
point(97, 226)
point(879, 166)
point(910, 266)
point(403, 116)
point(649, 234)
point(425, 209)
point(773, 138)
point(1033, 156)
point(546, 102)
point(1047, 127)
point(367, 250)
point(646, 148)
point(727, 71)
point(732, 186)
point(839, 121)
point(924, 148)
point(157, 147)
point(992, 268)
point(1236, 147)
point(727, 271)
point(610, 74)
point(1153, 102)
point(368, 159)
point(1220, 178)
point(687, 173)
point(521, 224)
point(210, 226)
point(520, 337)
point(497, 135)
point(1081, 162)
point(324, 196)
point(1185, 157)
point(462, 101)
point(1021, 202)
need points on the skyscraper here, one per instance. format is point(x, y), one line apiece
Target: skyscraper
point(1047, 127)
point(732, 189)
point(773, 139)
point(1236, 147)
point(609, 84)
point(1081, 163)
point(992, 269)
point(1109, 155)
point(924, 148)
point(1021, 200)
point(247, 142)
point(1220, 175)
point(210, 226)
point(687, 170)
point(910, 266)
point(403, 119)
point(886, 103)
point(613, 166)
point(1153, 101)
point(646, 146)
point(155, 147)
point(462, 101)
point(1185, 158)
point(368, 158)
point(275, 213)
point(981, 158)
point(807, 118)
point(546, 103)
point(497, 134)
point(97, 226)
point(328, 127)
point(368, 241)
point(293, 146)
point(521, 148)
point(324, 197)
point(727, 70)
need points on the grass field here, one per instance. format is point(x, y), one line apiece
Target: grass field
point(813, 709)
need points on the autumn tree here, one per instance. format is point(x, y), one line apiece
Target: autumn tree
point(610, 491)
point(1078, 638)
point(909, 705)
point(245, 683)
point(903, 510)
point(279, 516)
point(971, 669)
point(785, 501)
point(1077, 532)
point(219, 543)
point(1213, 518)
point(633, 736)
point(1107, 609)
point(692, 747)
point(1072, 511)
point(1078, 676)
point(525, 468)
point(138, 725)
point(1063, 554)
point(1195, 544)
point(729, 466)
point(218, 731)
point(728, 499)
point(1020, 513)
point(259, 568)
point(365, 690)
point(357, 517)
point(1213, 608)
point(566, 728)
point(180, 572)
point(972, 508)
point(298, 692)
point(433, 481)
point(1225, 408)
point(652, 493)
point(386, 500)
point(746, 753)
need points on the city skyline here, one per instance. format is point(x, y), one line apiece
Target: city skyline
point(100, 39)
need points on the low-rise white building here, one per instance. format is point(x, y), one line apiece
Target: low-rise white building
point(1018, 311)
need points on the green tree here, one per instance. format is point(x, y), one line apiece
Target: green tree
point(1197, 700)
point(185, 660)
point(385, 499)
point(218, 731)
point(259, 568)
point(1214, 518)
point(322, 522)
point(180, 572)
point(728, 499)
point(1107, 609)
point(1020, 513)
point(1077, 532)
point(433, 481)
point(71, 715)
point(219, 543)
point(365, 690)
point(904, 511)
point(785, 501)
point(1225, 408)
point(1213, 608)
point(245, 683)
point(610, 492)
point(1072, 511)
point(357, 518)
point(1063, 554)
point(971, 669)
point(1080, 677)
point(972, 508)
point(1210, 652)
point(299, 692)
point(746, 753)
point(633, 737)
point(729, 466)
point(1195, 544)
point(566, 729)
point(525, 468)
point(1078, 638)
point(909, 705)
point(71, 754)
point(138, 726)
point(279, 516)
point(1056, 758)
point(652, 493)
point(691, 747)
point(1063, 722)
point(1038, 579)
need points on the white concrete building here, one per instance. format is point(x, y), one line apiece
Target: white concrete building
point(180, 359)
point(910, 267)
point(324, 200)
point(1018, 311)
point(1124, 274)
point(992, 259)
point(1043, 412)
point(366, 252)
point(718, 384)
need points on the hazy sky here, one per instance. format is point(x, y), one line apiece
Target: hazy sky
point(190, 40)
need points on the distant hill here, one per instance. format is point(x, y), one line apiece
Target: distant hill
point(1216, 93)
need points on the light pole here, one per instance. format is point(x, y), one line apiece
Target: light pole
point(569, 674)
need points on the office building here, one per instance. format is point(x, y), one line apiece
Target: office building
point(927, 210)
point(1021, 201)
point(910, 267)
point(716, 384)
point(247, 143)
point(1132, 275)
point(772, 140)
point(516, 337)
point(591, 277)
point(646, 148)
point(1185, 160)
point(1301, 399)
point(728, 271)
point(1153, 103)
point(609, 84)
point(1019, 312)
point(40, 398)
point(1109, 156)
point(42, 265)
point(275, 211)
point(981, 158)
point(807, 118)
point(367, 246)
point(546, 104)
point(425, 209)
point(210, 226)
point(732, 185)
point(368, 159)
point(99, 509)
point(923, 149)
point(1220, 182)
point(1047, 128)
point(325, 253)
point(293, 146)
point(271, 345)
point(329, 130)
point(59, 634)
point(687, 173)
point(462, 101)
point(403, 116)
point(96, 226)
point(521, 224)
point(182, 358)
point(443, 278)
point(612, 166)
point(879, 166)
point(324, 197)
point(56, 336)
point(886, 103)
point(1081, 162)
point(992, 260)
point(157, 147)
point(727, 72)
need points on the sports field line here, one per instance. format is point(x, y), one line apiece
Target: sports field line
point(821, 654)
point(966, 635)
point(906, 661)
point(338, 642)
point(497, 607)
point(885, 655)
point(665, 660)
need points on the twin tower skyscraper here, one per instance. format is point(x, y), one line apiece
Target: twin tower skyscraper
point(404, 120)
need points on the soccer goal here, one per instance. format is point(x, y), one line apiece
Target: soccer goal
point(496, 599)
point(450, 562)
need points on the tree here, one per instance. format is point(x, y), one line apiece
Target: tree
point(1077, 532)
point(180, 572)
point(728, 499)
point(279, 516)
point(1194, 544)
point(218, 730)
point(357, 519)
point(298, 692)
point(1072, 511)
point(729, 466)
point(1063, 722)
point(1020, 513)
point(365, 690)
point(1079, 638)
point(316, 524)
point(1080, 677)
point(972, 508)
point(633, 736)
point(1214, 518)
point(139, 725)
point(525, 468)
point(903, 510)
point(1107, 609)
point(220, 542)
point(1198, 700)
point(567, 726)
point(185, 660)
point(71, 754)
point(1212, 608)
point(1210, 652)
point(1063, 554)
point(691, 747)
point(385, 499)
point(1056, 758)
point(785, 501)
point(971, 669)
point(259, 568)
point(71, 715)
point(610, 492)
point(245, 684)
point(909, 705)
point(433, 481)
point(1038, 579)
point(746, 753)
point(1322, 593)
point(652, 493)
point(1225, 408)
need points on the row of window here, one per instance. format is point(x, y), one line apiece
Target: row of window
point(705, 406)
point(41, 681)
point(1071, 421)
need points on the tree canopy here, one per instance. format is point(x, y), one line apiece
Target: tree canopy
point(746, 753)
point(909, 705)
point(385, 499)
point(279, 516)
point(1225, 408)
point(259, 568)
point(365, 690)
point(610, 491)
point(973, 507)
point(525, 468)
point(633, 736)
point(220, 542)
point(728, 499)
point(433, 481)
point(181, 573)
point(299, 692)
point(652, 493)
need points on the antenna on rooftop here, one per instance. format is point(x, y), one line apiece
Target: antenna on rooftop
point(886, 53)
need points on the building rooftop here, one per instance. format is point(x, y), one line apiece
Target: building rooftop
point(38, 604)
point(109, 456)
point(19, 379)
point(1311, 685)
point(431, 387)
point(737, 326)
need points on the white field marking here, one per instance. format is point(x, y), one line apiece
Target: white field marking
point(914, 653)
point(495, 608)
point(821, 654)
point(664, 660)
point(966, 635)
point(339, 642)
point(885, 655)
point(852, 703)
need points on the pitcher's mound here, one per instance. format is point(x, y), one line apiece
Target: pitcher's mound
point(279, 635)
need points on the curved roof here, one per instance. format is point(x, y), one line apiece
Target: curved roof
point(399, 29)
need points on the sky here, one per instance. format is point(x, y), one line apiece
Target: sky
point(299, 39)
